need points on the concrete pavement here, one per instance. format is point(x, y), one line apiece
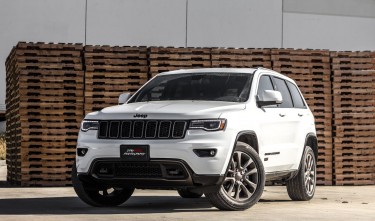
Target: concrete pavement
point(329, 203)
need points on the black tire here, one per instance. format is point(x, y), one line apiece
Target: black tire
point(301, 187)
point(247, 181)
point(99, 196)
point(185, 193)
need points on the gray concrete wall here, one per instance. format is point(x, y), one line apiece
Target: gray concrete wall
point(136, 22)
point(330, 24)
point(38, 20)
point(236, 23)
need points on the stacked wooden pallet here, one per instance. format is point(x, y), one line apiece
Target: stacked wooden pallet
point(354, 117)
point(44, 109)
point(169, 59)
point(311, 71)
point(111, 71)
point(241, 57)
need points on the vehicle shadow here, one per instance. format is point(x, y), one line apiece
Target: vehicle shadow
point(135, 205)
point(73, 205)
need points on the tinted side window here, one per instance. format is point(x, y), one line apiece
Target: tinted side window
point(265, 83)
point(296, 96)
point(281, 86)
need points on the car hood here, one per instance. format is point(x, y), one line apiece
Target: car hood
point(167, 110)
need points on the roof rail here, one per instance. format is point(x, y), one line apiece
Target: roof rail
point(263, 68)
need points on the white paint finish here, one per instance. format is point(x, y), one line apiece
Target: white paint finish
point(135, 22)
point(236, 23)
point(38, 20)
point(356, 8)
point(328, 32)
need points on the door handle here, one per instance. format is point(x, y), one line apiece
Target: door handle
point(300, 115)
point(282, 115)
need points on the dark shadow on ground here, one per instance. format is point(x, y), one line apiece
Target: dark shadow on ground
point(73, 205)
point(135, 205)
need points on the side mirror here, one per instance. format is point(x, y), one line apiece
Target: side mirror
point(270, 97)
point(123, 98)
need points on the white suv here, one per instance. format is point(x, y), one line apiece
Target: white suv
point(218, 132)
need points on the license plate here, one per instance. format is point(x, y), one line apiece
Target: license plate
point(135, 152)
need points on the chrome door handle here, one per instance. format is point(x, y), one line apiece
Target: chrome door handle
point(300, 115)
point(282, 115)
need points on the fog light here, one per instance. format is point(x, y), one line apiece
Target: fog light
point(81, 152)
point(205, 152)
point(104, 170)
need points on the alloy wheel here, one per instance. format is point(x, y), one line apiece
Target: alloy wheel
point(310, 174)
point(241, 180)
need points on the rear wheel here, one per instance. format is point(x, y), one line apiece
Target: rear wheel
point(244, 182)
point(185, 193)
point(99, 196)
point(302, 186)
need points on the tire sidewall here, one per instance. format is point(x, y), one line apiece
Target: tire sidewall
point(92, 198)
point(301, 173)
point(240, 146)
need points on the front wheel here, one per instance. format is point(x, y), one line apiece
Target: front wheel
point(302, 186)
point(244, 182)
point(99, 196)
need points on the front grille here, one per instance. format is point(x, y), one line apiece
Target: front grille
point(167, 170)
point(138, 170)
point(142, 129)
point(127, 169)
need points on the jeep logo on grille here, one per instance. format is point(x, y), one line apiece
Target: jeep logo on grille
point(140, 115)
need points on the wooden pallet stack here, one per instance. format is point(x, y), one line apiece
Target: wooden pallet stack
point(311, 71)
point(13, 136)
point(111, 71)
point(354, 117)
point(44, 108)
point(241, 58)
point(169, 59)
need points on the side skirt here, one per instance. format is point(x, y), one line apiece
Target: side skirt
point(280, 175)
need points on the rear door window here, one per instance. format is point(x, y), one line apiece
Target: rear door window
point(296, 96)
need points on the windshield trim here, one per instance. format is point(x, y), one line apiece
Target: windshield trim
point(135, 95)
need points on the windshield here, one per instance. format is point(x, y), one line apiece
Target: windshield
point(232, 87)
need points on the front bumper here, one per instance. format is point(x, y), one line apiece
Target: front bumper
point(156, 173)
point(176, 149)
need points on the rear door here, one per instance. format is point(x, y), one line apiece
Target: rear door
point(301, 116)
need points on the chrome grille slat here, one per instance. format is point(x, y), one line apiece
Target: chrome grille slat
point(138, 128)
point(151, 129)
point(142, 129)
point(164, 129)
point(114, 129)
point(126, 129)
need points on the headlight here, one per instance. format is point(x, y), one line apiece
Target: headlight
point(89, 125)
point(209, 125)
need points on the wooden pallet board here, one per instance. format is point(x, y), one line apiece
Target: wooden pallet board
point(241, 64)
point(301, 52)
point(51, 46)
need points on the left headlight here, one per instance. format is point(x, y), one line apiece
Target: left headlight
point(89, 125)
point(209, 124)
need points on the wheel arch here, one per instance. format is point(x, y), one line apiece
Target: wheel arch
point(312, 141)
point(249, 137)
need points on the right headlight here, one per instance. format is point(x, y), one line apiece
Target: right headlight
point(208, 124)
point(89, 125)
